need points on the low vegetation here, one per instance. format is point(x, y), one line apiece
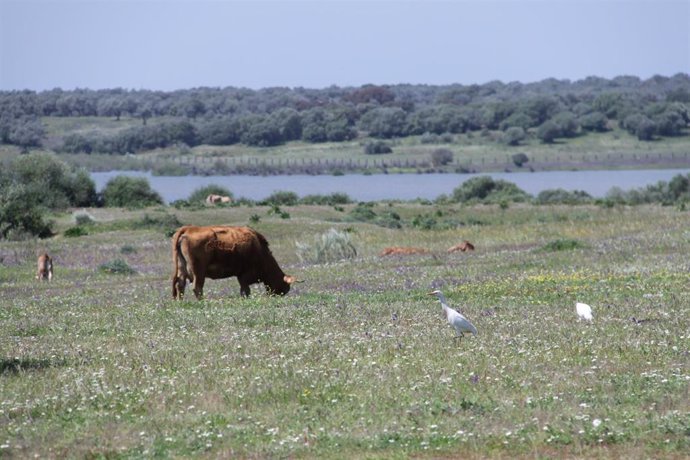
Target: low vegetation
point(356, 361)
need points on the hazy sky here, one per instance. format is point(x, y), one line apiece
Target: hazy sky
point(179, 44)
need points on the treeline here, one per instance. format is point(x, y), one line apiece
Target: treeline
point(547, 110)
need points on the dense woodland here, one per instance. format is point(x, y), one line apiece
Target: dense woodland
point(545, 110)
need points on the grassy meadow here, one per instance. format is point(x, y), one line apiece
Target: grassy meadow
point(356, 361)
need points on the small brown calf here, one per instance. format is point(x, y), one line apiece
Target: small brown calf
point(399, 250)
point(45, 267)
point(464, 246)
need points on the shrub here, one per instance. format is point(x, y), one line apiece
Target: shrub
point(514, 135)
point(441, 157)
point(548, 132)
point(131, 192)
point(21, 212)
point(282, 198)
point(74, 232)
point(487, 190)
point(563, 244)
point(127, 249)
point(519, 159)
point(167, 223)
point(330, 200)
point(117, 267)
point(68, 187)
point(561, 196)
point(83, 218)
point(331, 246)
point(200, 194)
point(363, 212)
point(377, 148)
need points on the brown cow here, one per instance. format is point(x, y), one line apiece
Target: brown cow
point(398, 250)
point(45, 268)
point(222, 252)
point(464, 246)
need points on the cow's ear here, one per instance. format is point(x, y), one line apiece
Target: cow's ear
point(291, 279)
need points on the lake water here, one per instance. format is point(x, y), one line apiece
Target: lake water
point(394, 186)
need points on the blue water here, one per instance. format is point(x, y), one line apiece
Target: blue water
point(394, 186)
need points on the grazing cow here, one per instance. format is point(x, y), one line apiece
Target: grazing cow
point(222, 252)
point(213, 199)
point(45, 268)
point(398, 250)
point(464, 246)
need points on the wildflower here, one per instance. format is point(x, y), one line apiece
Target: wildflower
point(596, 422)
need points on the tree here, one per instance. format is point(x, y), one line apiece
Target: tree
point(514, 135)
point(594, 121)
point(566, 123)
point(21, 212)
point(26, 132)
point(289, 123)
point(548, 132)
point(385, 122)
point(219, 131)
point(679, 186)
point(56, 185)
point(641, 126)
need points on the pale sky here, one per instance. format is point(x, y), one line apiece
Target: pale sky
point(181, 44)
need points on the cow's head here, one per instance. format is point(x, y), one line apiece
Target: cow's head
point(283, 287)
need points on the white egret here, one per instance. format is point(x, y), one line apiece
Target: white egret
point(455, 319)
point(584, 311)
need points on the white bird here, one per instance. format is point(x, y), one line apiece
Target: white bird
point(455, 319)
point(584, 311)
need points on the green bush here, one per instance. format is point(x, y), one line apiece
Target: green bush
point(441, 157)
point(76, 231)
point(519, 159)
point(561, 196)
point(331, 246)
point(128, 249)
point(21, 212)
point(330, 200)
point(82, 218)
point(167, 223)
point(117, 267)
point(130, 192)
point(200, 194)
point(377, 148)
point(282, 198)
point(363, 212)
point(485, 189)
point(563, 244)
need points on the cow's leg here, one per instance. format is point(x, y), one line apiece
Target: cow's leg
point(199, 286)
point(178, 285)
point(244, 287)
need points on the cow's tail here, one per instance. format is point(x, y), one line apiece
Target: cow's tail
point(179, 264)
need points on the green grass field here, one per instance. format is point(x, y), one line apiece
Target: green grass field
point(357, 361)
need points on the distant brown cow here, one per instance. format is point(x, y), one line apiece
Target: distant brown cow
point(398, 250)
point(45, 267)
point(222, 252)
point(464, 246)
point(213, 199)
